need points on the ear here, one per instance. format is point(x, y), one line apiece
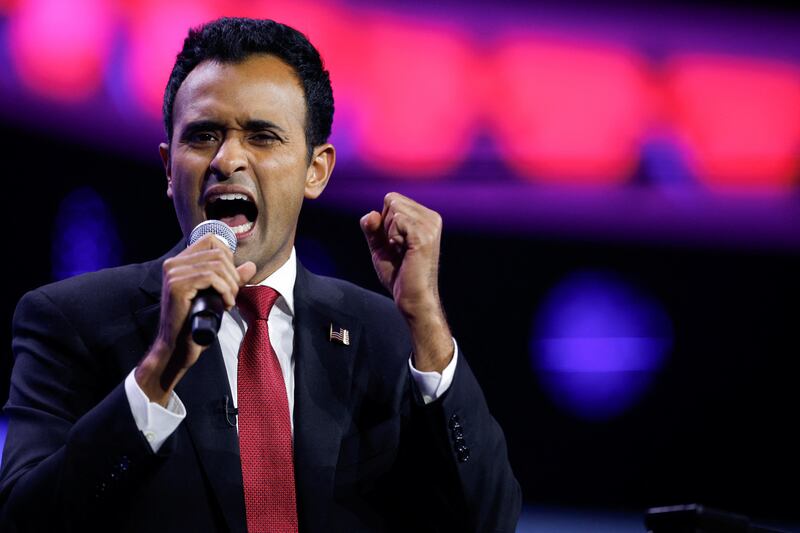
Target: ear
point(319, 170)
point(163, 150)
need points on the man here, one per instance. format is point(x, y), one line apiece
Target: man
point(354, 413)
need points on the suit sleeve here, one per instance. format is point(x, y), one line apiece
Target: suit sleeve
point(464, 476)
point(73, 450)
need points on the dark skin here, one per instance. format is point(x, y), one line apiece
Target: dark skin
point(240, 128)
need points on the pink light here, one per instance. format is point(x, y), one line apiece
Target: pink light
point(417, 104)
point(60, 48)
point(157, 33)
point(740, 118)
point(413, 97)
point(334, 30)
point(8, 5)
point(568, 113)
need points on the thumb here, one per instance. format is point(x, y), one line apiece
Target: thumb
point(371, 226)
point(246, 271)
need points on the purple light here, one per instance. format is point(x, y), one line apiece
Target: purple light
point(597, 344)
point(84, 236)
point(3, 431)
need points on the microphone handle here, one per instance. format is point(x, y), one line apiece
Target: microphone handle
point(206, 316)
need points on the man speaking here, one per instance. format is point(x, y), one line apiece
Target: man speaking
point(319, 407)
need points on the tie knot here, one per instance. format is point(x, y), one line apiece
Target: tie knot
point(257, 301)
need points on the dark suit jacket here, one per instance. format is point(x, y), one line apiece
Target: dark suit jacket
point(369, 455)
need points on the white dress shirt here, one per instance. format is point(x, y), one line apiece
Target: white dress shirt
point(158, 423)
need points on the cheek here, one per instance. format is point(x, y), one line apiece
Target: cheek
point(184, 197)
point(283, 186)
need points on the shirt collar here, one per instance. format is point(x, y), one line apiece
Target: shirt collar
point(282, 280)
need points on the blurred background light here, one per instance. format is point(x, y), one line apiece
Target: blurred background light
point(597, 344)
point(3, 430)
point(420, 115)
point(569, 112)
point(157, 30)
point(552, 96)
point(85, 236)
point(60, 49)
point(740, 119)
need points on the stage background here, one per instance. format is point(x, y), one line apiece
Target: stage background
point(619, 188)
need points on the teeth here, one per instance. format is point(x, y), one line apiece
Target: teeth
point(230, 196)
point(243, 228)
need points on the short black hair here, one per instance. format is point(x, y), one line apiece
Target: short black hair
point(232, 40)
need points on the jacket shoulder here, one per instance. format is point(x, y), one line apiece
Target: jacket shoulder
point(352, 299)
point(107, 293)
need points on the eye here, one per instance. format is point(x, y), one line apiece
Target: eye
point(264, 138)
point(200, 137)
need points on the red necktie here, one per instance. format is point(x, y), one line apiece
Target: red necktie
point(265, 433)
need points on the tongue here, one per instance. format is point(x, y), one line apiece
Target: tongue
point(235, 220)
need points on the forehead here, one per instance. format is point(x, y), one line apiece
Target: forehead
point(260, 87)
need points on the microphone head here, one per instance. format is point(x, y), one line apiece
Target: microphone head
point(217, 228)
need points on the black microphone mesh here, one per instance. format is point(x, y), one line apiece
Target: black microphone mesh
point(215, 227)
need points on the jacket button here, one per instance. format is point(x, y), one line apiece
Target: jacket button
point(462, 453)
point(454, 422)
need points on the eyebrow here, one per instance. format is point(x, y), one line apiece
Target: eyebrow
point(250, 125)
point(258, 125)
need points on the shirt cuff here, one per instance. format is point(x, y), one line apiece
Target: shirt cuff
point(155, 422)
point(433, 384)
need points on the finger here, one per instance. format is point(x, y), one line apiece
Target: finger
point(392, 203)
point(220, 268)
point(389, 224)
point(207, 256)
point(415, 218)
point(395, 198)
point(413, 226)
point(210, 241)
point(397, 229)
point(371, 226)
point(246, 271)
point(371, 222)
point(387, 202)
point(186, 283)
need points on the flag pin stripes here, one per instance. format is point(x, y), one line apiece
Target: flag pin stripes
point(342, 336)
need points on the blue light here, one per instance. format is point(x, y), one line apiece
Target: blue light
point(85, 237)
point(315, 256)
point(597, 344)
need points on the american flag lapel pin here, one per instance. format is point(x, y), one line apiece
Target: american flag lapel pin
point(341, 335)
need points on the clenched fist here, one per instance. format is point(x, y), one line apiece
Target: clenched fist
point(404, 242)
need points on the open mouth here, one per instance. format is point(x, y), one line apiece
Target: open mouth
point(234, 209)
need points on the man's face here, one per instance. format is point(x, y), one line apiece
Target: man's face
point(238, 154)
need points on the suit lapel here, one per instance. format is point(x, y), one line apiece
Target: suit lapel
point(203, 391)
point(323, 376)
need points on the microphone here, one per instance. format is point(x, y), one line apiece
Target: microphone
point(207, 306)
point(230, 410)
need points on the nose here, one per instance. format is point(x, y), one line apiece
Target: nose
point(230, 158)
